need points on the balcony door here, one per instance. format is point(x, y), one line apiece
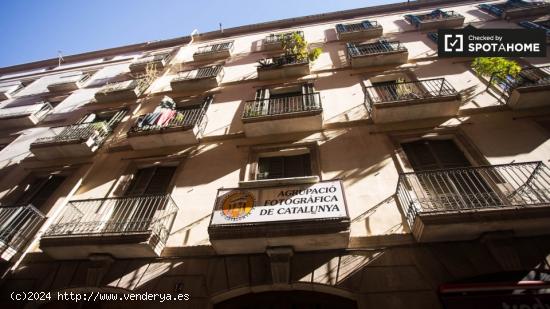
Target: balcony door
point(437, 164)
point(18, 221)
point(285, 100)
point(136, 210)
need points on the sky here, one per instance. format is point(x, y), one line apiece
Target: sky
point(37, 29)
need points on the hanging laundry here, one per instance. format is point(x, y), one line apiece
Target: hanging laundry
point(165, 117)
point(151, 118)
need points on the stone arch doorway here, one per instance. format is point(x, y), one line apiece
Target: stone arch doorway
point(287, 300)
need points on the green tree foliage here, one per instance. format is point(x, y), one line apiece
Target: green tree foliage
point(496, 66)
point(295, 45)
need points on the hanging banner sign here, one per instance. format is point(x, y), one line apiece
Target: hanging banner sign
point(323, 200)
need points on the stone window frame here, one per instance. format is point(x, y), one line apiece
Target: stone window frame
point(459, 137)
point(250, 169)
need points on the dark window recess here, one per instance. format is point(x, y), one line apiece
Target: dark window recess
point(449, 187)
point(284, 167)
point(151, 181)
point(434, 154)
point(39, 190)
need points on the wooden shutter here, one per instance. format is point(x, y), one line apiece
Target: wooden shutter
point(271, 167)
point(297, 166)
point(420, 156)
point(309, 100)
point(285, 166)
point(39, 190)
point(151, 180)
point(160, 180)
point(262, 101)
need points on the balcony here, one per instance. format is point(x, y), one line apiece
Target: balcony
point(296, 113)
point(18, 225)
point(214, 51)
point(437, 19)
point(463, 203)
point(364, 30)
point(204, 78)
point(124, 227)
point(24, 116)
point(79, 140)
point(69, 82)
point(155, 62)
point(516, 8)
point(376, 54)
point(121, 91)
point(7, 89)
point(541, 23)
point(282, 67)
point(185, 128)
point(310, 217)
point(404, 101)
point(274, 41)
point(531, 88)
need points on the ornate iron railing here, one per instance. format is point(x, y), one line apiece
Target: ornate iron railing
point(280, 61)
point(381, 47)
point(119, 215)
point(282, 105)
point(434, 15)
point(355, 27)
point(408, 91)
point(214, 48)
point(17, 225)
point(498, 9)
point(204, 72)
point(535, 76)
point(455, 189)
point(275, 38)
point(97, 131)
point(184, 117)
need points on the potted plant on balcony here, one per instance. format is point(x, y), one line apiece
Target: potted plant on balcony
point(499, 70)
point(295, 51)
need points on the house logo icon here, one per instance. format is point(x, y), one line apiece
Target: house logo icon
point(454, 42)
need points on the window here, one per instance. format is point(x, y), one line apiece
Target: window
point(434, 154)
point(282, 162)
point(151, 181)
point(38, 189)
point(449, 188)
point(284, 166)
point(283, 100)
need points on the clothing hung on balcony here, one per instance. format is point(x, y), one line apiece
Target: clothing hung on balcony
point(165, 116)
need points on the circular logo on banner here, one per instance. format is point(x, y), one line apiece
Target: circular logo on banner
point(237, 205)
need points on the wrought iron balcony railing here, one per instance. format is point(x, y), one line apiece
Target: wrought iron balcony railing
point(456, 189)
point(276, 62)
point(380, 47)
point(536, 76)
point(275, 38)
point(185, 118)
point(543, 25)
point(407, 91)
point(362, 26)
point(282, 105)
point(498, 9)
point(39, 110)
point(214, 48)
point(97, 131)
point(200, 73)
point(116, 216)
point(437, 14)
point(17, 225)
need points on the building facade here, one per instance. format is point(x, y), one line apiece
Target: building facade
point(376, 176)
